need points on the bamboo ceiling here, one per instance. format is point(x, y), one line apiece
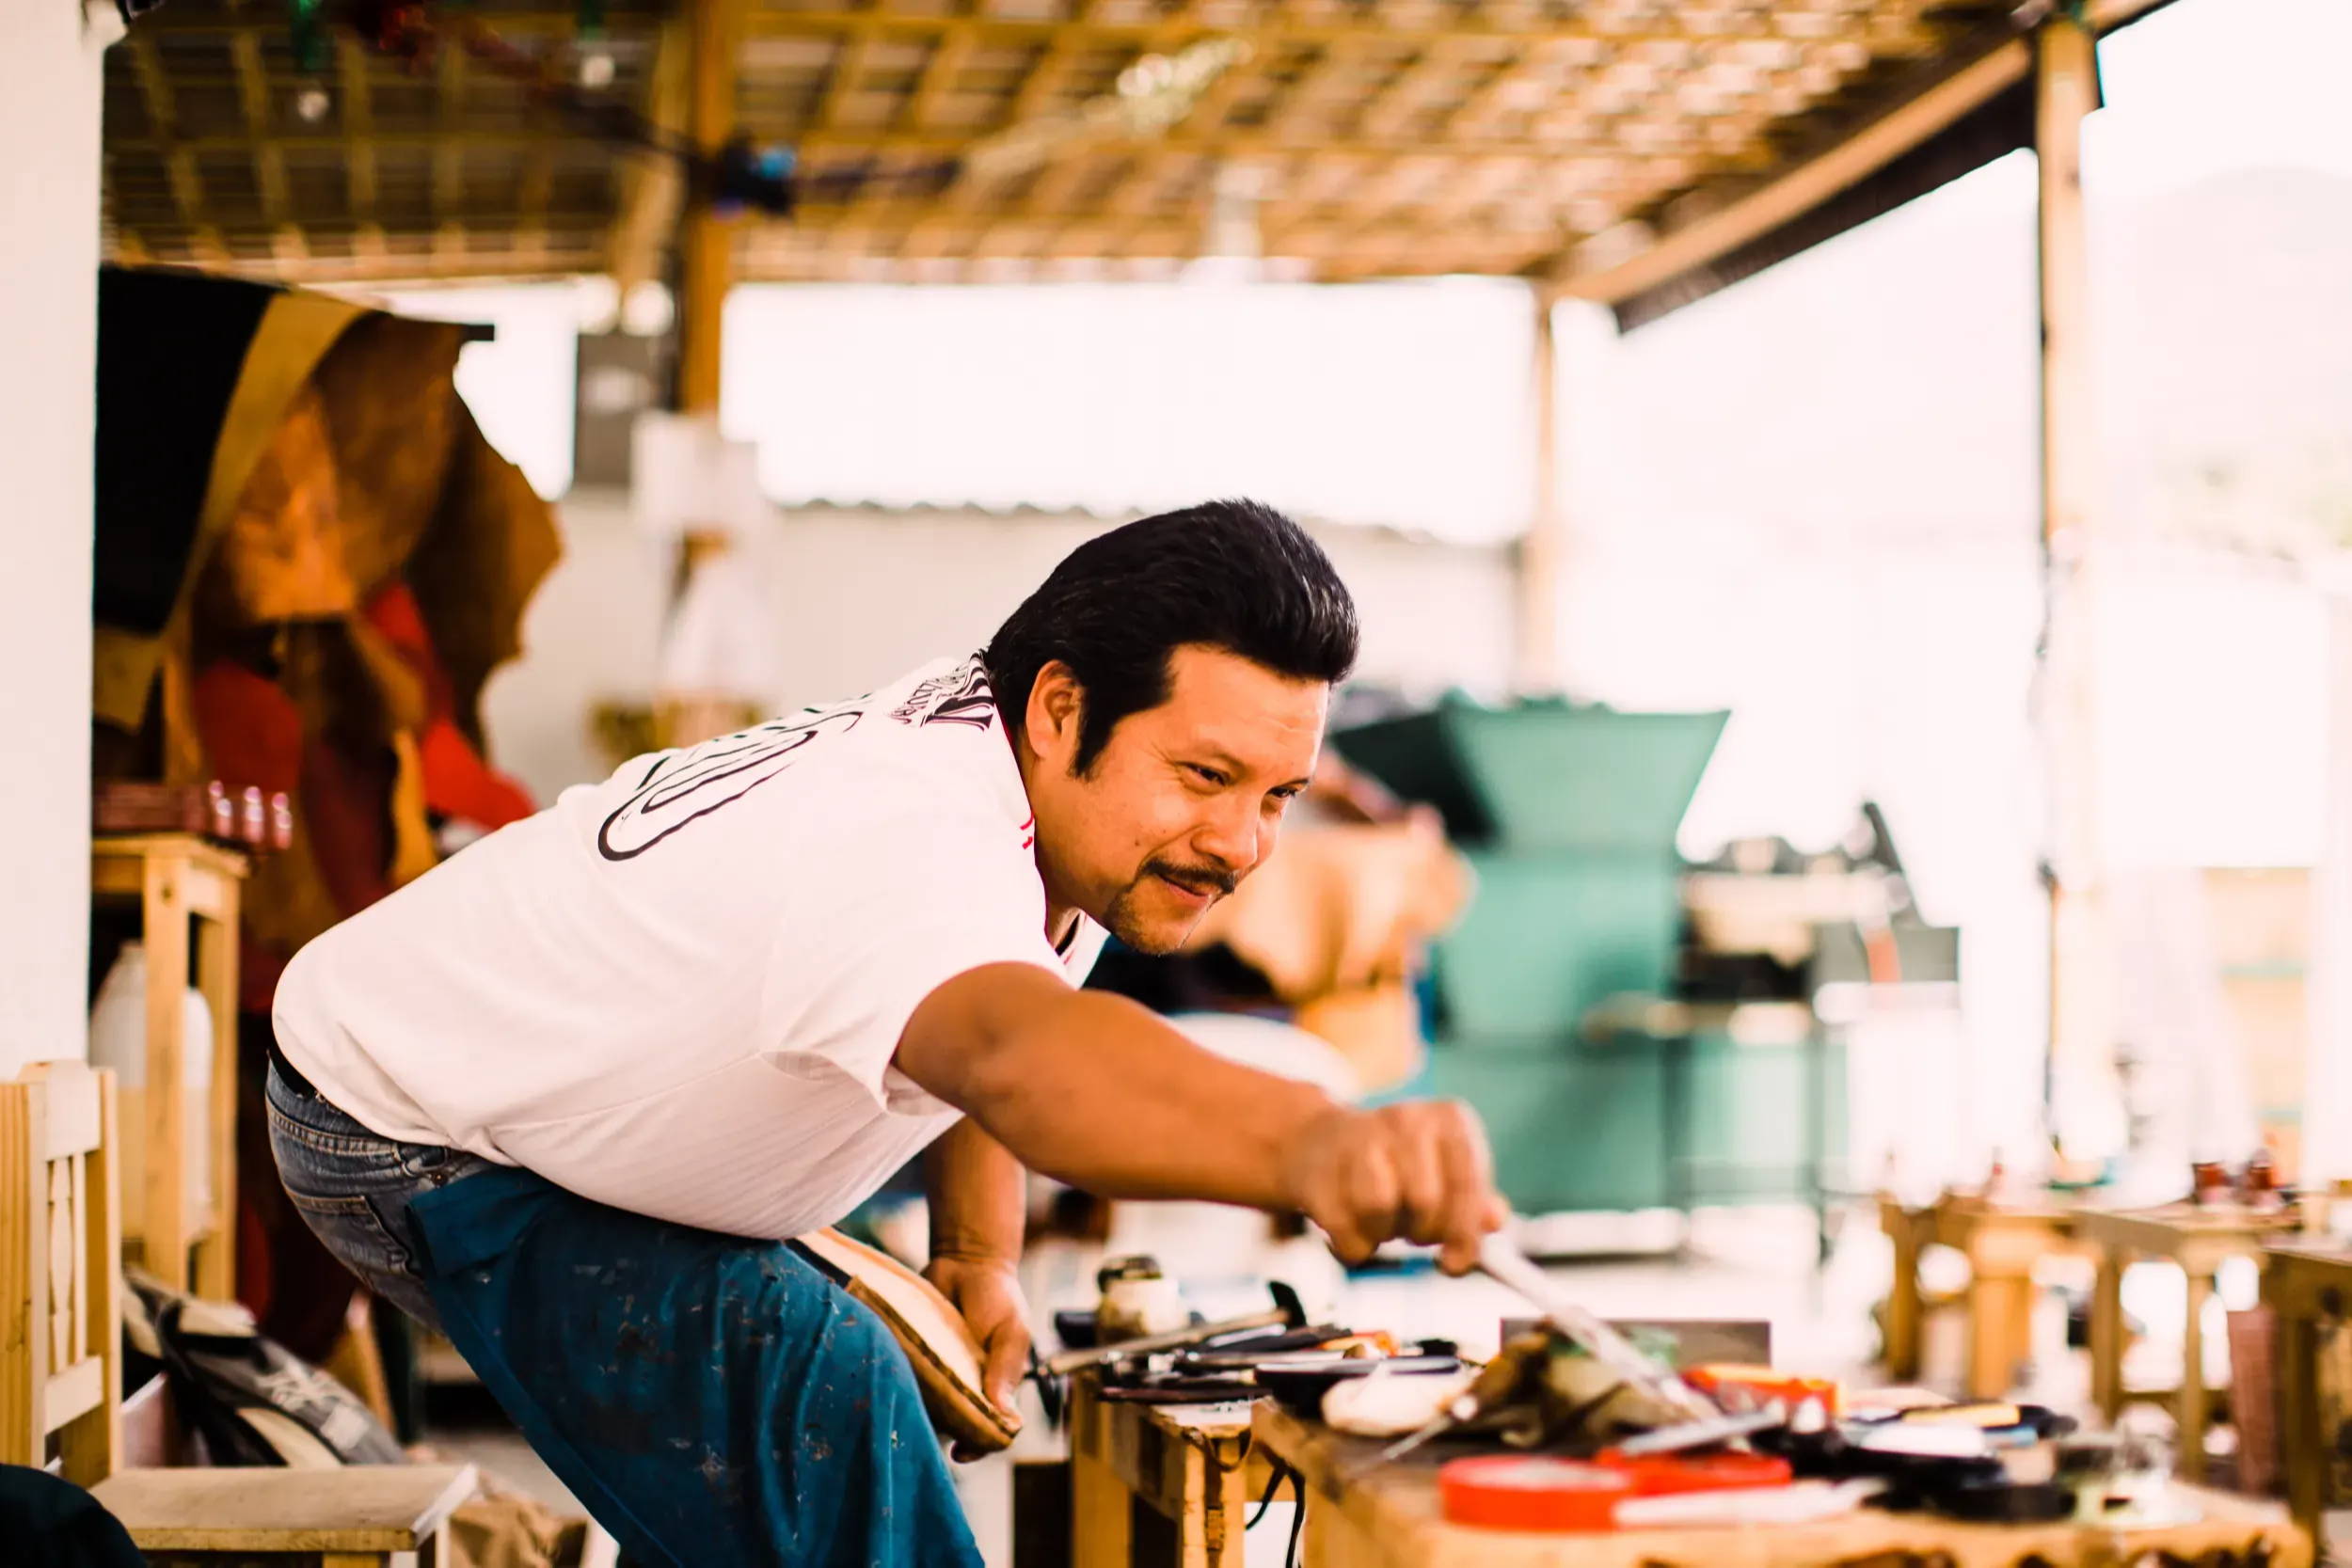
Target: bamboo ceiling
point(1371, 138)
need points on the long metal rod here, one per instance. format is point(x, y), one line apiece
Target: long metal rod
point(1502, 1260)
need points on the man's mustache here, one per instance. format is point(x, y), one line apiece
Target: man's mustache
point(1200, 878)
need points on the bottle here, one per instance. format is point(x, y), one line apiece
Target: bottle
point(117, 1042)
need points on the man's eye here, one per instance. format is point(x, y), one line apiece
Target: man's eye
point(1209, 774)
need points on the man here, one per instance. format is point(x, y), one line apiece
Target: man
point(563, 1094)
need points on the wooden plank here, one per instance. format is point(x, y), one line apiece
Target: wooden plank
point(90, 1448)
point(1101, 1507)
point(386, 1508)
point(2081, 1027)
point(114, 858)
point(357, 114)
point(162, 1209)
point(1199, 137)
point(216, 979)
point(1543, 546)
point(652, 185)
point(707, 263)
point(25, 1262)
point(71, 1120)
point(73, 1393)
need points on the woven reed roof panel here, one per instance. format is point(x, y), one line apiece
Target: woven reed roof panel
point(1369, 137)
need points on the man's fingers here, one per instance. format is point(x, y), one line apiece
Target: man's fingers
point(1008, 1358)
point(1422, 1178)
point(1469, 1188)
point(1372, 1193)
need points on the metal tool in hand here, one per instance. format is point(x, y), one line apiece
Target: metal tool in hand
point(1502, 1260)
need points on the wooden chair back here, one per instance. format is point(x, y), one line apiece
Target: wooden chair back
point(60, 1271)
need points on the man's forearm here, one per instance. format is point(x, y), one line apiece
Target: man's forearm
point(1096, 1091)
point(979, 1196)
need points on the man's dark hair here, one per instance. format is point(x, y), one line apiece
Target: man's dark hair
point(1233, 575)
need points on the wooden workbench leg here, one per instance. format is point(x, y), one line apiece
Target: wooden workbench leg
point(1903, 1306)
point(2106, 1338)
point(2000, 1329)
point(2299, 1445)
point(1332, 1540)
point(1227, 1515)
point(1102, 1525)
point(163, 1204)
point(216, 977)
point(2195, 1404)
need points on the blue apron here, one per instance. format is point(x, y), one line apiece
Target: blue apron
point(711, 1400)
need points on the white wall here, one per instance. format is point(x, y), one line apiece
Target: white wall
point(861, 596)
point(49, 133)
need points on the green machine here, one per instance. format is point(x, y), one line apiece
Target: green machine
point(1567, 813)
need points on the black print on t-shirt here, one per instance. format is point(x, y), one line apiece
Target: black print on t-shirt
point(694, 782)
point(962, 696)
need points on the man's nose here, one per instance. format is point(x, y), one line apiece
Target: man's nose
point(1230, 836)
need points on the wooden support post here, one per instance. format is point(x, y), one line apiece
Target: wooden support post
point(2107, 1336)
point(165, 1205)
point(2326, 1152)
point(2065, 91)
point(2196, 1405)
point(215, 1274)
point(706, 252)
point(1540, 551)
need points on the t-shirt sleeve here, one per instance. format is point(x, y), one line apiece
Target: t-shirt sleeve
point(934, 905)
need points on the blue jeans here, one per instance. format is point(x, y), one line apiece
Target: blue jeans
point(710, 1399)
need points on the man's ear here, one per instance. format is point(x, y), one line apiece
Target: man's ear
point(1055, 713)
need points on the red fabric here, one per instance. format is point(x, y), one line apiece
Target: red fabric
point(457, 781)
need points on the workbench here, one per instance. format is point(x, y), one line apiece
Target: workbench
point(1390, 1518)
point(1156, 1483)
point(2308, 1287)
point(2003, 1245)
point(2200, 1240)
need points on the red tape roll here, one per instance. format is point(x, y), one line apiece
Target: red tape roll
point(1532, 1493)
point(1664, 1475)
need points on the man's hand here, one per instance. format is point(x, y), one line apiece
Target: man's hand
point(1418, 1169)
point(987, 1291)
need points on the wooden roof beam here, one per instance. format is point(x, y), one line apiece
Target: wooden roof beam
point(1253, 143)
point(147, 67)
point(652, 187)
point(1092, 31)
point(269, 161)
point(448, 156)
point(359, 119)
point(947, 57)
point(1620, 263)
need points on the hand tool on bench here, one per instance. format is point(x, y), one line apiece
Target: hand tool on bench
point(1287, 1312)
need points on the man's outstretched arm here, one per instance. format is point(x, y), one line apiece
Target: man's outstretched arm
point(1098, 1092)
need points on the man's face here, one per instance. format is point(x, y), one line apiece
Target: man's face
point(1183, 802)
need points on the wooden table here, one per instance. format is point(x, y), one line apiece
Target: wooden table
point(358, 1517)
point(188, 890)
point(1156, 1483)
point(2002, 1245)
point(1391, 1518)
point(2305, 1287)
point(2200, 1240)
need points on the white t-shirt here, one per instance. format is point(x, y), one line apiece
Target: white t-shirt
point(677, 992)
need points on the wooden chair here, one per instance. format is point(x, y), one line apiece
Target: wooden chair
point(61, 1378)
point(60, 1273)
